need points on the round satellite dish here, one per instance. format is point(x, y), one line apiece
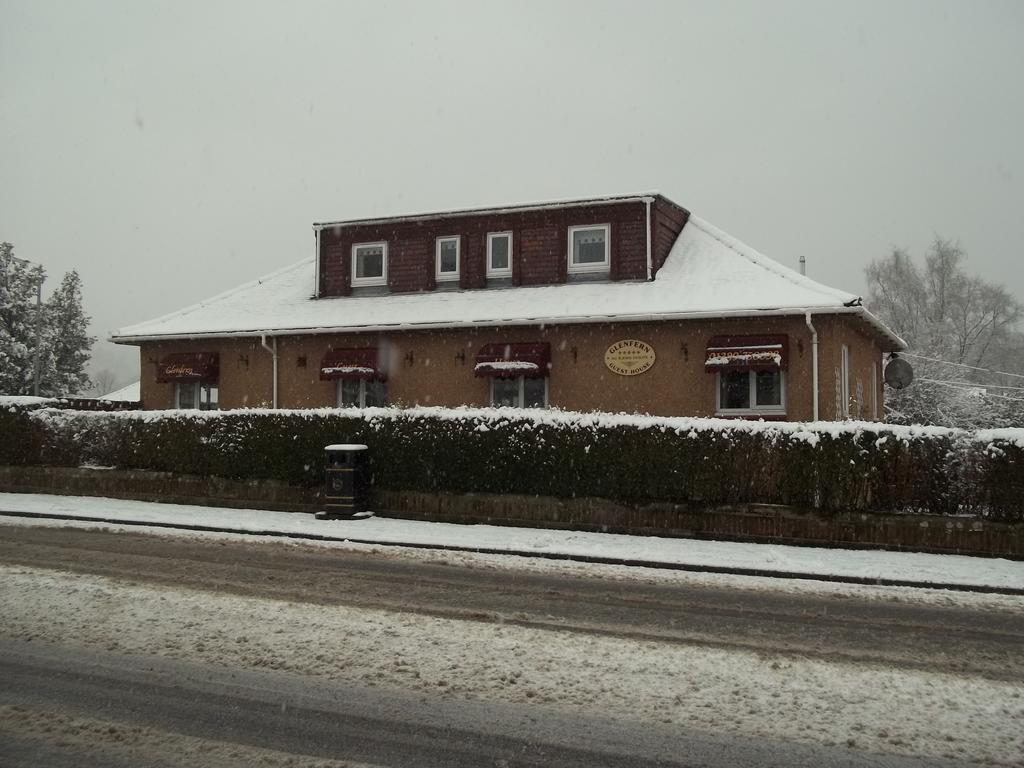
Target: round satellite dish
point(898, 373)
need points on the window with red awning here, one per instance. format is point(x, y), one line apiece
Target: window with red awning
point(508, 361)
point(188, 366)
point(747, 353)
point(351, 364)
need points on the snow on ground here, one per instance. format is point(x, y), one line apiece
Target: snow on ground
point(872, 564)
point(570, 569)
point(755, 695)
point(96, 741)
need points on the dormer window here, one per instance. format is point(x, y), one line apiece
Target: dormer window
point(369, 264)
point(499, 254)
point(588, 249)
point(447, 259)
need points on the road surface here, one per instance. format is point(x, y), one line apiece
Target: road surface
point(154, 684)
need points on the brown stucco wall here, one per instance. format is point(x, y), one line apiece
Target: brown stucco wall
point(245, 372)
point(833, 333)
point(436, 367)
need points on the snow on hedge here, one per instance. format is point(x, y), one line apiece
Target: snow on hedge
point(24, 400)
point(562, 454)
point(810, 432)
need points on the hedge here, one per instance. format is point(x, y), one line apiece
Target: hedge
point(849, 466)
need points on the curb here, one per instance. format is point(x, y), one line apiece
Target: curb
point(629, 562)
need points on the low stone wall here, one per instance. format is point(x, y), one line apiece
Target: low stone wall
point(749, 522)
point(165, 487)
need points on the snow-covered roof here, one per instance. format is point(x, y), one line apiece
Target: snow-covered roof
point(131, 393)
point(707, 274)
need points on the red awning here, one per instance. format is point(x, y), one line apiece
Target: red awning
point(351, 364)
point(188, 366)
point(507, 361)
point(747, 353)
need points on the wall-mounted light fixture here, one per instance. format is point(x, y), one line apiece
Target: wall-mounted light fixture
point(461, 357)
point(575, 354)
point(243, 360)
point(684, 349)
point(410, 358)
point(300, 361)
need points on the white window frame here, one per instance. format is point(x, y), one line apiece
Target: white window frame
point(447, 276)
point(362, 395)
point(364, 281)
point(506, 272)
point(521, 396)
point(755, 409)
point(603, 266)
point(198, 388)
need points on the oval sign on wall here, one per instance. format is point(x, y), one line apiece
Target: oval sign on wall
point(629, 357)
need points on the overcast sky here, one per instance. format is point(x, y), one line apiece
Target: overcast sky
point(172, 150)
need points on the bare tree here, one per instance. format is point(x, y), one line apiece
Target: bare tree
point(941, 310)
point(103, 382)
point(948, 315)
point(897, 291)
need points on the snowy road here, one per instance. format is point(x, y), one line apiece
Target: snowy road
point(122, 712)
point(956, 639)
point(695, 663)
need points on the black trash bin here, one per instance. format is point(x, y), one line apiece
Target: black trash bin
point(346, 480)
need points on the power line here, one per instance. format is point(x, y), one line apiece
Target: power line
point(963, 365)
point(972, 387)
point(972, 384)
point(998, 386)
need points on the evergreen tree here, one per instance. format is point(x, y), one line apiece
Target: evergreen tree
point(67, 341)
point(18, 315)
point(58, 327)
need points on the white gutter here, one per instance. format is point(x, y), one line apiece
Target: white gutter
point(489, 322)
point(650, 269)
point(496, 210)
point(272, 350)
point(814, 365)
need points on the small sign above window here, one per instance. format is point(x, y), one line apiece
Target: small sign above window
point(188, 366)
point(511, 360)
point(351, 364)
point(741, 353)
point(629, 357)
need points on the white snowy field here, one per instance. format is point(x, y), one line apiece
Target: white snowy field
point(869, 564)
point(869, 708)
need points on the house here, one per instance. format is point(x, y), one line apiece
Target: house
point(624, 303)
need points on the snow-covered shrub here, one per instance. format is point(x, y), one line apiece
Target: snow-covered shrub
point(632, 459)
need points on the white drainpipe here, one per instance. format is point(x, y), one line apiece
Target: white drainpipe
point(650, 266)
point(273, 351)
point(316, 270)
point(814, 365)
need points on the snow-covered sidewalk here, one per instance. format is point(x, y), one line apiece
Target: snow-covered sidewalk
point(923, 569)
